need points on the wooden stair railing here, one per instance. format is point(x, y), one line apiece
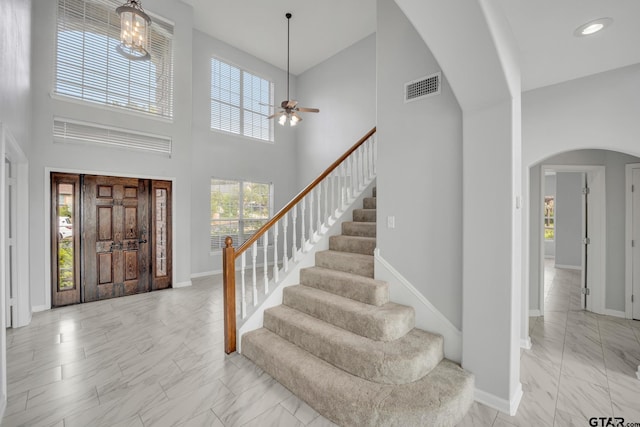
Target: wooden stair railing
point(351, 171)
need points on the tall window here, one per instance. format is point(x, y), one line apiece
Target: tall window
point(238, 209)
point(549, 217)
point(240, 101)
point(89, 68)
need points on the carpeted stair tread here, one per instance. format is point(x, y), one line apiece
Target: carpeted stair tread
point(353, 244)
point(440, 398)
point(400, 361)
point(347, 262)
point(363, 229)
point(348, 285)
point(384, 323)
point(369, 202)
point(364, 215)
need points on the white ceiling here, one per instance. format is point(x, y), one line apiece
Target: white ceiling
point(319, 28)
point(550, 53)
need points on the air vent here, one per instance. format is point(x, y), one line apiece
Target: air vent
point(422, 87)
point(71, 131)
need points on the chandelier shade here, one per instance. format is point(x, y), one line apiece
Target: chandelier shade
point(134, 31)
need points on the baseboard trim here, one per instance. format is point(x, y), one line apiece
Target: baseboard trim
point(3, 405)
point(37, 308)
point(535, 313)
point(615, 313)
point(182, 284)
point(428, 317)
point(525, 343)
point(568, 267)
point(205, 274)
point(506, 406)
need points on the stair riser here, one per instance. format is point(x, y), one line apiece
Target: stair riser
point(363, 267)
point(441, 398)
point(385, 325)
point(354, 245)
point(360, 229)
point(364, 215)
point(369, 203)
point(356, 355)
point(357, 288)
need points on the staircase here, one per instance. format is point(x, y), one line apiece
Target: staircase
point(356, 358)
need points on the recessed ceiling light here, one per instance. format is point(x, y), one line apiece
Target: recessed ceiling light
point(592, 27)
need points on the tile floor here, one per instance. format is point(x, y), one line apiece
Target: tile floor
point(581, 365)
point(147, 360)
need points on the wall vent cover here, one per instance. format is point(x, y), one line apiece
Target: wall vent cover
point(423, 87)
point(72, 131)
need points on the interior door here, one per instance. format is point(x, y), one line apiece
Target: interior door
point(635, 250)
point(116, 217)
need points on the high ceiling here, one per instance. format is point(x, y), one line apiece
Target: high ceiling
point(550, 53)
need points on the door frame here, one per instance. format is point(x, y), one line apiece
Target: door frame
point(597, 231)
point(47, 222)
point(628, 252)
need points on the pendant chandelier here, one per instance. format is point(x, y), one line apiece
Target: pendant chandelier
point(134, 31)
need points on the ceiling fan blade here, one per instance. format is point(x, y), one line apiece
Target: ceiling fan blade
point(279, 113)
point(291, 103)
point(308, 110)
point(266, 105)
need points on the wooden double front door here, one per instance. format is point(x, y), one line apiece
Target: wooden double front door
point(111, 237)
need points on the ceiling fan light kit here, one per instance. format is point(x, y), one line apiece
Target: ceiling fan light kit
point(290, 109)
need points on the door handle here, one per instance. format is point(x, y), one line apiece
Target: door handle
point(142, 241)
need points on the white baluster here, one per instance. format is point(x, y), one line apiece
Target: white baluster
point(353, 177)
point(363, 176)
point(254, 256)
point(356, 171)
point(343, 187)
point(302, 212)
point(368, 144)
point(333, 194)
point(275, 253)
point(319, 219)
point(374, 146)
point(326, 201)
point(311, 233)
point(265, 262)
point(285, 257)
point(294, 246)
point(243, 292)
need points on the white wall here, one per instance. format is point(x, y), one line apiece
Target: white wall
point(568, 231)
point(419, 168)
point(222, 155)
point(599, 111)
point(47, 155)
point(15, 68)
point(550, 190)
point(344, 89)
point(614, 163)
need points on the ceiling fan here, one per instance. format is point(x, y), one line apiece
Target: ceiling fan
point(290, 107)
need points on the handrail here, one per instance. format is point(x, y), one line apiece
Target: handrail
point(247, 244)
point(230, 254)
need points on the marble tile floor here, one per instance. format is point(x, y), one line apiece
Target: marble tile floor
point(156, 360)
point(581, 365)
point(153, 359)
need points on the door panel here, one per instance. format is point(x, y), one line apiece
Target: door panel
point(115, 263)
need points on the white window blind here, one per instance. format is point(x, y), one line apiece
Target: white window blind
point(238, 209)
point(89, 68)
point(72, 131)
point(240, 101)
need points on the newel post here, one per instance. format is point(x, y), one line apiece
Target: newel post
point(229, 295)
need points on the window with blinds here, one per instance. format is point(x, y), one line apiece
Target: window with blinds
point(89, 68)
point(240, 101)
point(238, 210)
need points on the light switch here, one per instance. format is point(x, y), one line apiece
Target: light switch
point(391, 222)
